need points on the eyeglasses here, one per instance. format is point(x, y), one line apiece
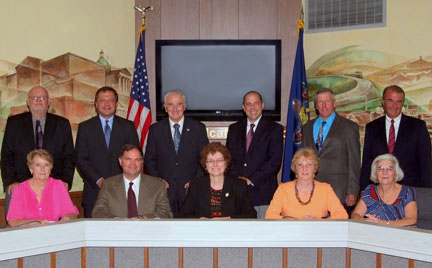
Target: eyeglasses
point(36, 98)
point(106, 100)
point(217, 161)
point(175, 105)
point(305, 165)
point(382, 169)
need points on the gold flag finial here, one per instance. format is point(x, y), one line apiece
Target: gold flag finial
point(143, 11)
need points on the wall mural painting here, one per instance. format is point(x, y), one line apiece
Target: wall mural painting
point(71, 82)
point(358, 77)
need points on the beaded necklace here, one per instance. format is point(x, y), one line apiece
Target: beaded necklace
point(310, 197)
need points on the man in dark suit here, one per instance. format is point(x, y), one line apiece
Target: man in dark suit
point(132, 194)
point(36, 129)
point(337, 143)
point(256, 147)
point(98, 145)
point(173, 149)
point(408, 140)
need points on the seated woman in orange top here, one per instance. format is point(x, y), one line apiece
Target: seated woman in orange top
point(305, 198)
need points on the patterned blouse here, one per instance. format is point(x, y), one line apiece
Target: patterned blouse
point(215, 203)
point(375, 206)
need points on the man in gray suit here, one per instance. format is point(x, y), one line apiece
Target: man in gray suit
point(337, 143)
point(132, 194)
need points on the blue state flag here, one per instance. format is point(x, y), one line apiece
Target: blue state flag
point(298, 109)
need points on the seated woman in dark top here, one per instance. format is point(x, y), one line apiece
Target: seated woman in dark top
point(387, 202)
point(217, 195)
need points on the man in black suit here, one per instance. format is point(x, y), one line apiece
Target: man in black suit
point(411, 144)
point(36, 129)
point(98, 145)
point(256, 147)
point(173, 149)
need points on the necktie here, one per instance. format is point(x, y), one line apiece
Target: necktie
point(131, 201)
point(391, 140)
point(249, 136)
point(320, 138)
point(107, 132)
point(39, 135)
point(177, 137)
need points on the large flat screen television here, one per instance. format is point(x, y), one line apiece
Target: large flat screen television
point(215, 74)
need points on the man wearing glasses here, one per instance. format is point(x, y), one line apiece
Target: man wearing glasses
point(36, 129)
point(98, 145)
point(173, 149)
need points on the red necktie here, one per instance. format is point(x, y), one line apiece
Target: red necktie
point(131, 202)
point(249, 136)
point(391, 141)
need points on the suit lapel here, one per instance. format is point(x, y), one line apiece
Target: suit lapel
point(381, 133)
point(310, 142)
point(333, 132)
point(142, 195)
point(243, 128)
point(403, 133)
point(121, 193)
point(30, 131)
point(167, 136)
point(48, 131)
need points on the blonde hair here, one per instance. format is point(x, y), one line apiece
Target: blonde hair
point(306, 153)
point(42, 153)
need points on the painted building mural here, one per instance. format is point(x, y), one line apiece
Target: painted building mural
point(71, 81)
point(359, 76)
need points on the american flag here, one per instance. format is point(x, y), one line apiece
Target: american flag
point(139, 104)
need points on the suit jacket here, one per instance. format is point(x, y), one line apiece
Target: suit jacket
point(19, 140)
point(412, 149)
point(161, 160)
point(262, 162)
point(339, 158)
point(94, 159)
point(152, 199)
point(235, 199)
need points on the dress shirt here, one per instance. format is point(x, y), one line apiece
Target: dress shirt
point(135, 186)
point(42, 124)
point(103, 121)
point(181, 123)
point(326, 127)
point(396, 124)
point(255, 123)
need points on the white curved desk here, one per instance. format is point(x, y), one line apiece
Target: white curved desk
point(406, 243)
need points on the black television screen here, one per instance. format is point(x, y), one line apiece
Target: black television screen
point(215, 74)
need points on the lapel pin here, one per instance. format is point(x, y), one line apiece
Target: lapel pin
point(226, 194)
point(187, 129)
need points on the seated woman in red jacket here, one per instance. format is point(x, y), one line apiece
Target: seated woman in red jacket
point(217, 195)
point(40, 199)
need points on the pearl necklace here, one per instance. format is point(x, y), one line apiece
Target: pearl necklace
point(297, 194)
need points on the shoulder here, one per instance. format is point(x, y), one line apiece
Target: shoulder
point(19, 117)
point(193, 122)
point(235, 182)
point(345, 121)
point(56, 184)
point(412, 121)
point(57, 118)
point(408, 193)
point(89, 122)
point(158, 125)
point(237, 125)
point(270, 124)
point(114, 180)
point(123, 121)
point(286, 186)
point(152, 181)
point(377, 123)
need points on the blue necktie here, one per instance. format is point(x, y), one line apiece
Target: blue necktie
point(107, 132)
point(320, 138)
point(177, 137)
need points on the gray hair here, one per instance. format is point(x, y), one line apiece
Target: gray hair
point(399, 174)
point(324, 90)
point(175, 91)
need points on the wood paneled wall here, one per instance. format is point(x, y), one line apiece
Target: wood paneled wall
point(223, 19)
